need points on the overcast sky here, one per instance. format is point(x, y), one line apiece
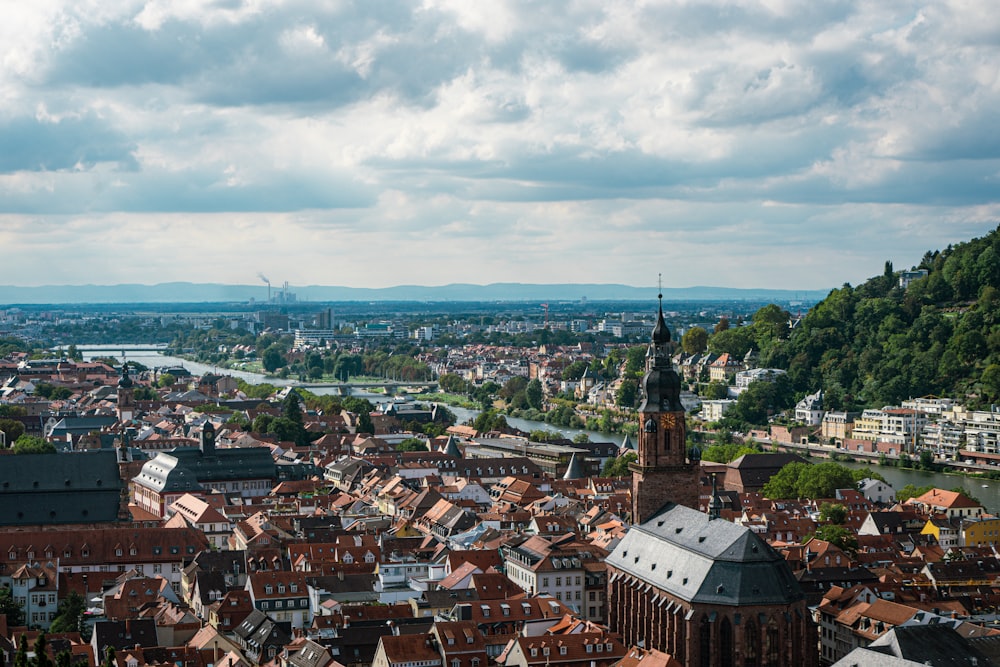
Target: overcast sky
point(777, 143)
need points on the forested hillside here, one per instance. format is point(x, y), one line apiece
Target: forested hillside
point(877, 344)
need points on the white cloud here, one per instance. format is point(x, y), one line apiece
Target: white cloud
point(793, 143)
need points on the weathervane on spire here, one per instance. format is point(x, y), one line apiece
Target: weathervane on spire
point(659, 283)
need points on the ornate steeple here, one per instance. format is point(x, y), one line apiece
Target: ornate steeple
point(663, 471)
point(126, 396)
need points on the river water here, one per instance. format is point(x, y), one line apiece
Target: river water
point(464, 415)
point(987, 491)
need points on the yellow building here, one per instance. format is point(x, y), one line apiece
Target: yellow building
point(980, 532)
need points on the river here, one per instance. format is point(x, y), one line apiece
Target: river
point(464, 415)
point(987, 491)
point(154, 360)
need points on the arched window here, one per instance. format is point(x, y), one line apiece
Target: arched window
point(705, 642)
point(772, 645)
point(751, 645)
point(726, 653)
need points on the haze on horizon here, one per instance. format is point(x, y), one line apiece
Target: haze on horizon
point(767, 144)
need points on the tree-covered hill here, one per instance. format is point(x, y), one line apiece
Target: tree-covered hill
point(877, 344)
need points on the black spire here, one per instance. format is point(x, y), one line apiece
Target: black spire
point(661, 334)
point(661, 386)
point(125, 381)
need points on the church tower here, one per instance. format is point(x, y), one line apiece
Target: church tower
point(663, 473)
point(126, 396)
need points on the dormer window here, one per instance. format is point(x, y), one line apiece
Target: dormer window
point(132, 551)
point(268, 589)
point(68, 552)
point(118, 551)
point(294, 588)
point(281, 588)
point(562, 650)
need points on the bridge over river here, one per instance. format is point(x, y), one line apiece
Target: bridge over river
point(388, 386)
point(122, 350)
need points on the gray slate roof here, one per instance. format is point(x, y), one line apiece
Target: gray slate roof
point(187, 468)
point(697, 559)
point(77, 487)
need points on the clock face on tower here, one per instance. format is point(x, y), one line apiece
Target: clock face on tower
point(668, 421)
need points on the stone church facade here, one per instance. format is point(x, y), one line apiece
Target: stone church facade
point(706, 591)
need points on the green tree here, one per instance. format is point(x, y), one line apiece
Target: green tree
point(238, 420)
point(7, 410)
point(21, 657)
point(618, 467)
point(42, 658)
point(635, 361)
point(514, 386)
point(803, 480)
point(533, 394)
point(64, 658)
point(32, 444)
point(489, 420)
point(833, 513)
point(69, 613)
point(716, 390)
point(262, 423)
point(109, 657)
point(911, 491)
point(694, 340)
point(734, 341)
point(166, 380)
point(581, 438)
point(574, 371)
point(272, 359)
point(627, 392)
point(412, 445)
point(143, 393)
point(365, 424)
point(12, 430)
point(724, 453)
point(287, 430)
point(760, 400)
point(12, 608)
point(453, 384)
point(291, 407)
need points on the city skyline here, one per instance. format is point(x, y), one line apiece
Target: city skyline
point(765, 145)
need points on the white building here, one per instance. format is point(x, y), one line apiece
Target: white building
point(716, 409)
point(809, 410)
point(746, 378)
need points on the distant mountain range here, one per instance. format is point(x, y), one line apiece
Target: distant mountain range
point(179, 292)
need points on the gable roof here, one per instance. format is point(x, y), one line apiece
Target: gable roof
point(698, 559)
